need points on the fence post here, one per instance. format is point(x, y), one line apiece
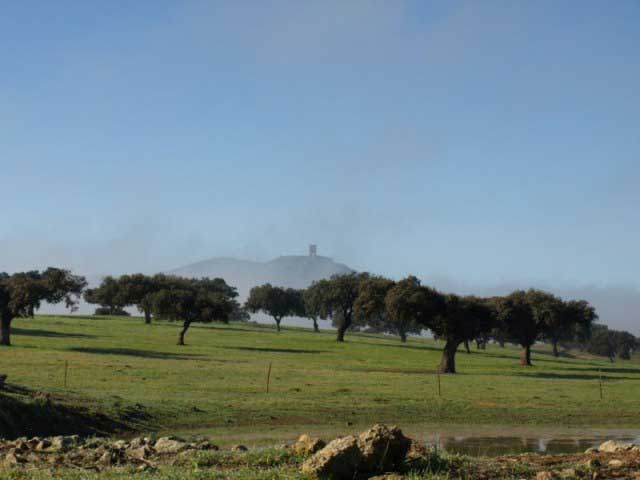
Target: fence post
point(268, 377)
point(600, 381)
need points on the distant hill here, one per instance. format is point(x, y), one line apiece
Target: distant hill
point(289, 271)
point(293, 271)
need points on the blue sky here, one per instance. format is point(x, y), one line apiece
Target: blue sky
point(479, 143)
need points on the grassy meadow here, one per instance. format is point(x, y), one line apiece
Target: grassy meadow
point(216, 384)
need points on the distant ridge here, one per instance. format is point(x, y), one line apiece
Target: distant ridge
point(294, 271)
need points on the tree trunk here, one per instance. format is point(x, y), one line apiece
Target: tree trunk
point(501, 343)
point(315, 326)
point(185, 327)
point(342, 329)
point(403, 336)
point(147, 317)
point(5, 330)
point(525, 356)
point(278, 320)
point(555, 348)
point(448, 361)
point(466, 346)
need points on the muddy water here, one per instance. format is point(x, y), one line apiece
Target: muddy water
point(549, 441)
point(494, 446)
point(474, 440)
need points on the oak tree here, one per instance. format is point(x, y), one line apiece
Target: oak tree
point(21, 294)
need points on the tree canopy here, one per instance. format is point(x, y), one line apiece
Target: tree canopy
point(335, 298)
point(459, 320)
point(411, 306)
point(369, 308)
point(193, 300)
point(276, 302)
point(21, 294)
point(108, 295)
point(515, 314)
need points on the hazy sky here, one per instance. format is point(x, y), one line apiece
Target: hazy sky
point(481, 142)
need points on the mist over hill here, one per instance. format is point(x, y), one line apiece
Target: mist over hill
point(294, 271)
point(617, 305)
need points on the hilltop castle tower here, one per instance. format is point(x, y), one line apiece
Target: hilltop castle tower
point(313, 250)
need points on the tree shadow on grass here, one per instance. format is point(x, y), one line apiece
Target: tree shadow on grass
point(273, 350)
point(404, 345)
point(561, 354)
point(225, 328)
point(604, 370)
point(48, 333)
point(516, 356)
point(137, 353)
point(424, 371)
point(569, 376)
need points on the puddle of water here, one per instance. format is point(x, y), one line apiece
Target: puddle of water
point(474, 440)
point(492, 446)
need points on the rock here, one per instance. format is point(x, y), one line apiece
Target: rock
point(568, 473)
point(140, 453)
point(544, 476)
point(55, 460)
point(106, 459)
point(615, 463)
point(33, 459)
point(32, 442)
point(611, 446)
point(63, 443)
point(145, 467)
point(137, 442)
point(239, 448)
point(21, 446)
point(120, 445)
point(206, 445)
point(94, 443)
point(379, 449)
point(11, 460)
point(383, 448)
point(307, 445)
point(591, 450)
point(169, 445)
point(388, 476)
point(417, 449)
point(592, 463)
point(339, 460)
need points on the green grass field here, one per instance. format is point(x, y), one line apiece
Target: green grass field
point(217, 383)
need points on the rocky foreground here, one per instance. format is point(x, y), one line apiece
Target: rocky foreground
point(379, 453)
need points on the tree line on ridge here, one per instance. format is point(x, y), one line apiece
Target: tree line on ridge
point(353, 301)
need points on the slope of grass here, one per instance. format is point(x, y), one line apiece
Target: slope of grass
point(136, 375)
